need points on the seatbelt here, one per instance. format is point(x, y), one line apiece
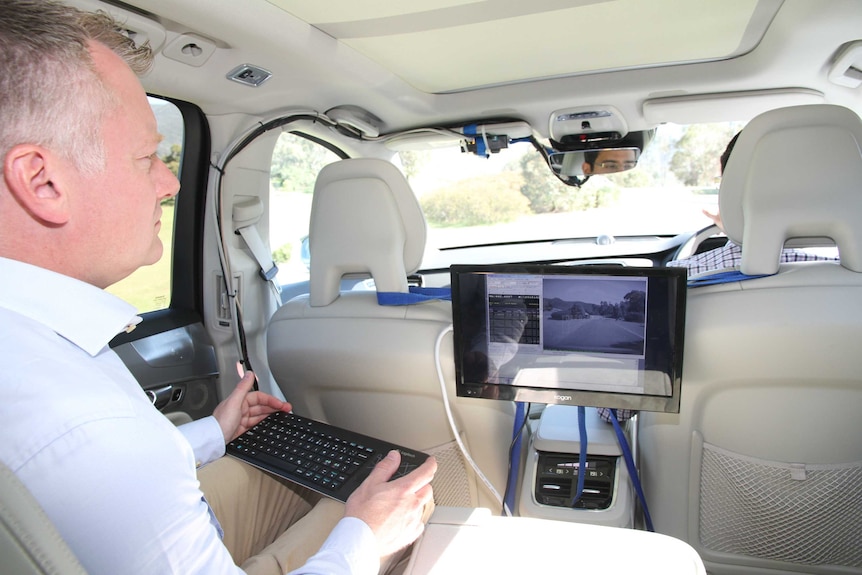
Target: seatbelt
point(246, 214)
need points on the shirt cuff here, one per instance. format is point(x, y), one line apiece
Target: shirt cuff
point(206, 438)
point(351, 549)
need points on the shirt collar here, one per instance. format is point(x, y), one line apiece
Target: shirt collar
point(86, 315)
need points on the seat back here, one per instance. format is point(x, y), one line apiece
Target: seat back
point(340, 357)
point(29, 542)
point(761, 471)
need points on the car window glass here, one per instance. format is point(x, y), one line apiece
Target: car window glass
point(296, 161)
point(149, 288)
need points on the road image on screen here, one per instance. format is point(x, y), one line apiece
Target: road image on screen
point(595, 315)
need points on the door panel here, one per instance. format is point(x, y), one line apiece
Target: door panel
point(177, 369)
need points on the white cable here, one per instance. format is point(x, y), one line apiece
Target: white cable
point(485, 141)
point(454, 428)
point(220, 220)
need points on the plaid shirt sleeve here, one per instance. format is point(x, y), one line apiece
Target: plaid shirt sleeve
point(730, 256)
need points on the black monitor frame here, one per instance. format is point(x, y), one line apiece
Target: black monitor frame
point(657, 352)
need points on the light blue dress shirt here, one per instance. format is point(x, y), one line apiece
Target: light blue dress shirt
point(113, 474)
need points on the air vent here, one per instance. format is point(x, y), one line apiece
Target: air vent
point(557, 480)
point(249, 75)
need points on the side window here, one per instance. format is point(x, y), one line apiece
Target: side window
point(296, 161)
point(149, 288)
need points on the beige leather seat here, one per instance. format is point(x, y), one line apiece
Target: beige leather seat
point(29, 543)
point(761, 471)
point(340, 357)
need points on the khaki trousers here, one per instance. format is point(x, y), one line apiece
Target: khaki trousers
point(270, 526)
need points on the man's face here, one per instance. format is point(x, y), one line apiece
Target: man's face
point(612, 161)
point(117, 212)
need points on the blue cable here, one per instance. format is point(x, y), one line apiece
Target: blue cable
point(630, 464)
point(515, 466)
point(582, 457)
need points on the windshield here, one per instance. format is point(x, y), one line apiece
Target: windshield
point(512, 196)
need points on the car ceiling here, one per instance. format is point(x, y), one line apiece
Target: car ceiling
point(438, 62)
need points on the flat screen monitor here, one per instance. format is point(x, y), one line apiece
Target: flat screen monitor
point(603, 336)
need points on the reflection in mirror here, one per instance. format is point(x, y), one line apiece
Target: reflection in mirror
point(592, 162)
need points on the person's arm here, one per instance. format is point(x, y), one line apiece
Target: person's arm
point(393, 509)
point(241, 410)
point(244, 408)
point(206, 438)
point(381, 518)
point(350, 549)
point(124, 495)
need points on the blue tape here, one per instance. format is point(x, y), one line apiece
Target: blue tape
point(723, 278)
point(415, 295)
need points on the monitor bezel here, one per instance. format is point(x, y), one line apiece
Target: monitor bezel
point(521, 393)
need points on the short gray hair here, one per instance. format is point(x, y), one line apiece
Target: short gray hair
point(50, 93)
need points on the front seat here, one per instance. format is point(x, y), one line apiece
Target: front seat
point(761, 471)
point(29, 542)
point(341, 357)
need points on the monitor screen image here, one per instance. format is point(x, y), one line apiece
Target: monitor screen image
point(603, 336)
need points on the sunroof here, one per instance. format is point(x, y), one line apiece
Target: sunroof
point(454, 45)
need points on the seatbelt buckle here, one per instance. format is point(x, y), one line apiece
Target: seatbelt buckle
point(270, 273)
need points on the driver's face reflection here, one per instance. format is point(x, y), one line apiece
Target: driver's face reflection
point(611, 161)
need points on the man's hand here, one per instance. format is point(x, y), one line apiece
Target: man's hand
point(393, 509)
point(242, 410)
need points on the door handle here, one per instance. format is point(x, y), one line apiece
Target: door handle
point(161, 396)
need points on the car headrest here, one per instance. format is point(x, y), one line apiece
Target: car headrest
point(364, 219)
point(795, 173)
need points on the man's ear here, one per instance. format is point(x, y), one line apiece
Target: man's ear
point(32, 175)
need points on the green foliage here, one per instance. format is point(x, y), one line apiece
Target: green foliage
point(282, 254)
point(632, 179)
point(412, 161)
point(546, 193)
point(172, 159)
point(695, 162)
point(476, 201)
point(296, 162)
point(598, 192)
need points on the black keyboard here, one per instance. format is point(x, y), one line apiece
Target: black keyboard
point(327, 459)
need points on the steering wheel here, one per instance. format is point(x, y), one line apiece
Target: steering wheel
point(689, 247)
